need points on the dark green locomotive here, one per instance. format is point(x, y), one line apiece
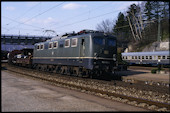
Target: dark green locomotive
point(85, 53)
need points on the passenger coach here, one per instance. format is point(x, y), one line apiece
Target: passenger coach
point(153, 58)
point(87, 52)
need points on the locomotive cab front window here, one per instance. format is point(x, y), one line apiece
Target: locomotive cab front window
point(111, 42)
point(99, 41)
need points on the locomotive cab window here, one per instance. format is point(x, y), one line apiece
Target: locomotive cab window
point(74, 42)
point(111, 42)
point(55, 45)
point(67, 43)
point(99, 41)
point(50, 46)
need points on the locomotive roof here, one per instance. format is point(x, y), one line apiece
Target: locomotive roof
point(75, 36)
point(146, 53)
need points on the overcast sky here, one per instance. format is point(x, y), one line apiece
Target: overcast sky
point(34, 18)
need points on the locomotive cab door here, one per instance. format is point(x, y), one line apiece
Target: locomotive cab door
point(82, 48)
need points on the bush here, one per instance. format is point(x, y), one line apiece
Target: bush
point(154, 71)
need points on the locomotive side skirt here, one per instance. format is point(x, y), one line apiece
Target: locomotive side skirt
point(86, 62)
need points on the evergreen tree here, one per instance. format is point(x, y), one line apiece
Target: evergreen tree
point(121, 30)
point(148, 11)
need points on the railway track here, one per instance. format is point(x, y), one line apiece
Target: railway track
point(146, 68)
point(100, 88)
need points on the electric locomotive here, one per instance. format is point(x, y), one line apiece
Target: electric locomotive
point(86, 53)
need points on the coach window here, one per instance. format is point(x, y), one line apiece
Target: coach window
point(138, 57)
point(67, 43)
point(42, 46)
point(168, 57)
point(159, 57)
point(74, 42)
point(55, 45)
point(123, 57)
point(135, 57)
point(50, 46)
point(154, 57)
point(129, 57)
point(146, 57)
point(142, 57)
point(132, 57)
point(163, 57)
point(150, 57)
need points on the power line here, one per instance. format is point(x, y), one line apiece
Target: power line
point(80, 14)
point(88, 19)
point(20, 22)
point(25, 12)
point(38, 14)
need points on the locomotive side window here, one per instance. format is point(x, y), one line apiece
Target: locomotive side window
point(50, 45)
point(42, 46)
point(55, 45)
point(74, 42)
point(111, 42)
point(67, 43)
point(38, 47)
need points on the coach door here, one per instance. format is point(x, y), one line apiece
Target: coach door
point(82, 48)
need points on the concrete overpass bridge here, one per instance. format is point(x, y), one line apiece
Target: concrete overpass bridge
point(18, 42)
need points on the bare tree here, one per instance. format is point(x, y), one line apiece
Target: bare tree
point(105, 26)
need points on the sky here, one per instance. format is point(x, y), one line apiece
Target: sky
point(42, 18)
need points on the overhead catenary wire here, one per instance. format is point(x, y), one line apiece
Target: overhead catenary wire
point(37, 15)
point(87, 12)
point(20, 22)
point(88, 19)
point(82, 20)
point(25, 12)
